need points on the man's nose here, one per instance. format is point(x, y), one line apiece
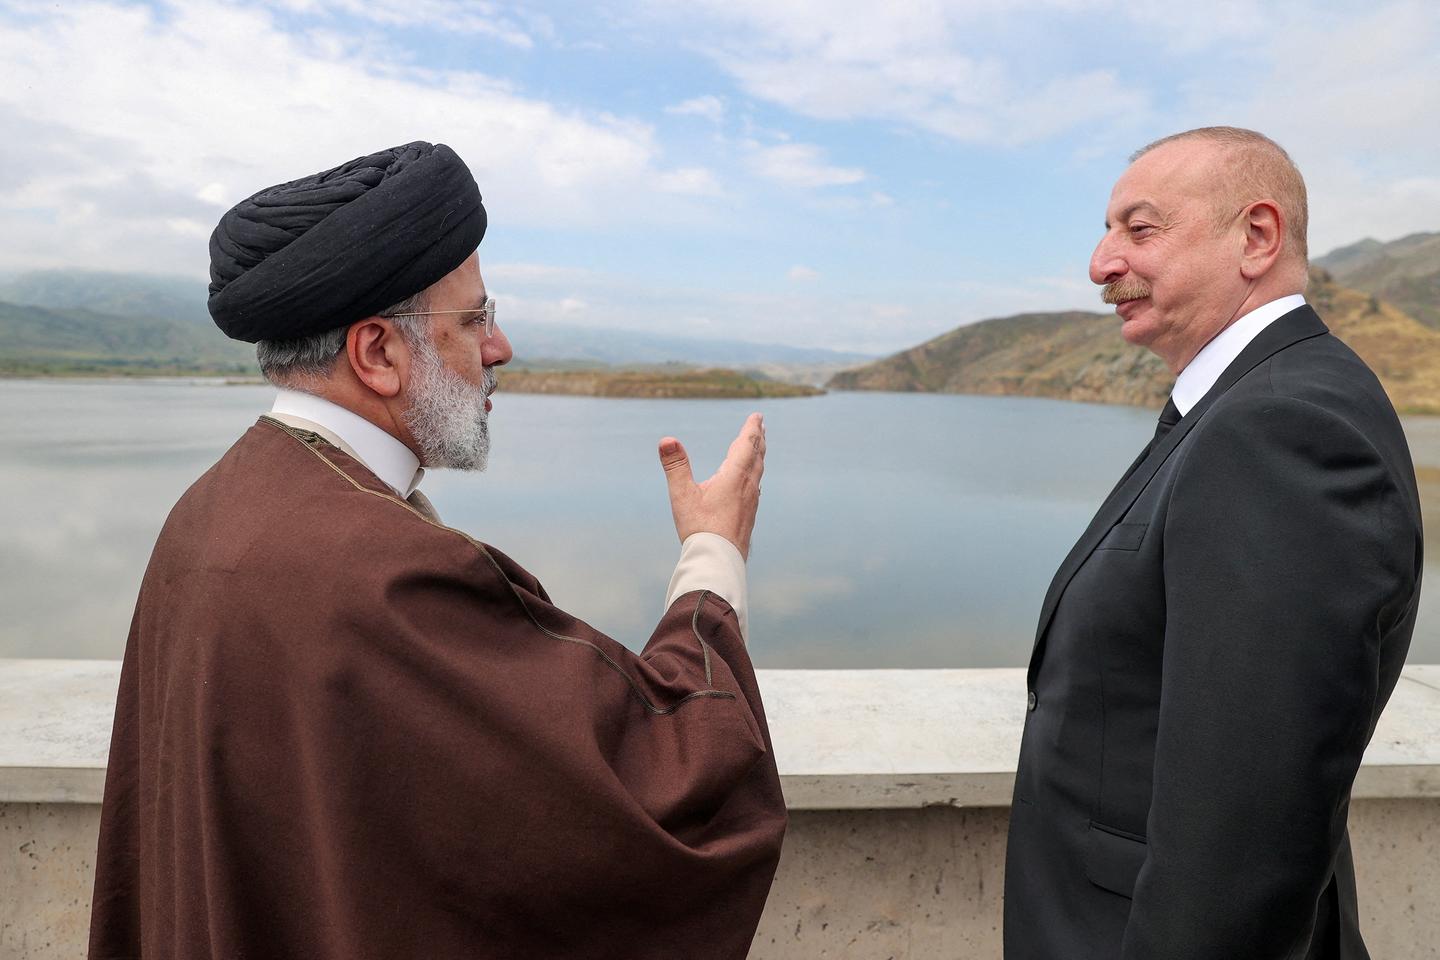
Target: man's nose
point(1106, 265)
point(495, 349)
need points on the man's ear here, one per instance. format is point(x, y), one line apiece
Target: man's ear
point(1264, 227)
point(377, 354)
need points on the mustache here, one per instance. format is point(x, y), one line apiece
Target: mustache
point(488, 381)
point(1122, 290)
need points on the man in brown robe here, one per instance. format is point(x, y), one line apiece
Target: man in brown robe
point(347, 730)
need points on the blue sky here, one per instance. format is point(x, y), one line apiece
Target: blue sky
point(846, 174)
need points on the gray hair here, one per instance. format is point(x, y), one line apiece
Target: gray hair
point(295, 364)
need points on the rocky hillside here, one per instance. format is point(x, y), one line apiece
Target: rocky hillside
point(1405, 272)
point(1068, 356)
point(1403, 352)
point(1081, 356)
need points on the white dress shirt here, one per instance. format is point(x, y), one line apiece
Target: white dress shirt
point(1201, 373)
point(707, 560)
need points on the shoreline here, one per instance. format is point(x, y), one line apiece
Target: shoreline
point(642, 384)
point(234, 380)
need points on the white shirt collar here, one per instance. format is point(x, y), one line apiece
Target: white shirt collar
point(1201, 373)
point(386, 457)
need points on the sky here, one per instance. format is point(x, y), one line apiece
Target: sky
point(824, 173)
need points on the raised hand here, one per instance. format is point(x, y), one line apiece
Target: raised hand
point(726, 503)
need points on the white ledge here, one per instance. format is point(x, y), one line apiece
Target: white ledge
point(844, 739)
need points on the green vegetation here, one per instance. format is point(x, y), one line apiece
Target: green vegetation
point(655, 383)
point(39, 341)
point(82, 342)
point(92, 323)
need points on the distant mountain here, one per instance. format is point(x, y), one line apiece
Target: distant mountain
point(1081, 356)
point(91, 296)
point(41, 340)
point(655, 383)
point(1406, 272)
point(537, 342)
point(121, 294)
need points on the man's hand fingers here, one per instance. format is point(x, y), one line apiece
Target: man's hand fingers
point(749, 445)
point(676, 464)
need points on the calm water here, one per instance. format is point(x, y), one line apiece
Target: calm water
point(896, 530)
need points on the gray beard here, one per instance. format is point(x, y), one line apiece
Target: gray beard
point(447, 414)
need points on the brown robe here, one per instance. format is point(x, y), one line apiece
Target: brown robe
point(345, 730)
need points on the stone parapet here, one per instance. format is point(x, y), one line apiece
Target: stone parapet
point(898, 782)
point(844, 739)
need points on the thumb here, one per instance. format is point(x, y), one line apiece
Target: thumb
point(676, 464)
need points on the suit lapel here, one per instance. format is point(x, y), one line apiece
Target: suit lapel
point(1299, 324)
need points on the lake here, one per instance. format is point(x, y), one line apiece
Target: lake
point(896, 530)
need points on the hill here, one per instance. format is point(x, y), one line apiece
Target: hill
point(1081, 356)
point(1405, 272)
point(542, 342)
point(650, 384)
point(38, 340)
point(1403, 352)
point(118, 294)
point(182, 301)
point(1069, 356)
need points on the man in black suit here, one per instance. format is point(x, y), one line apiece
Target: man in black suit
point(1214, 653)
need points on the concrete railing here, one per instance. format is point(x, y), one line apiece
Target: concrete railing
point(898, 781)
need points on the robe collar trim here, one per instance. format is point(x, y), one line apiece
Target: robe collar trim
point(383, 455)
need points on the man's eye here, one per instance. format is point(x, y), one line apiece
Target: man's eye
point(1140, 229)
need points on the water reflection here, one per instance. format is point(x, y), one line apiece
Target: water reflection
point(895, 531)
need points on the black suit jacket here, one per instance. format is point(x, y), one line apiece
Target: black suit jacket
point(1211, 660)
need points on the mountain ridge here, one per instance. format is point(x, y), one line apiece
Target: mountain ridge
point(165, 304)
point(1081, 356)
point(1405, 272)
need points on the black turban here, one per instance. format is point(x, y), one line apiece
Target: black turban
point(326, 250)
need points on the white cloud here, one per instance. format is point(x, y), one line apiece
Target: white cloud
point(451, 16)
point(710, 107)
point(800, 312)
point(920, 63)
point(800, 165)
point(537, 273)
point(213, 193)
point(1353, 97)
point(696, 181)
point(890, 311)
point(126, 118)
point(1350, 90)
point(192, 229)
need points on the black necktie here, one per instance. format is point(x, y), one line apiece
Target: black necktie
point(1168, 418)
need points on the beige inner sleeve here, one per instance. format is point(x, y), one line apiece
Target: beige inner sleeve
point(710, 562)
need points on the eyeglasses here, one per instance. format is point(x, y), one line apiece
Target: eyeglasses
point(486, 316)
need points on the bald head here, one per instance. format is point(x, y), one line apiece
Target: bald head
point(1201, 228)
point(1245, 166)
